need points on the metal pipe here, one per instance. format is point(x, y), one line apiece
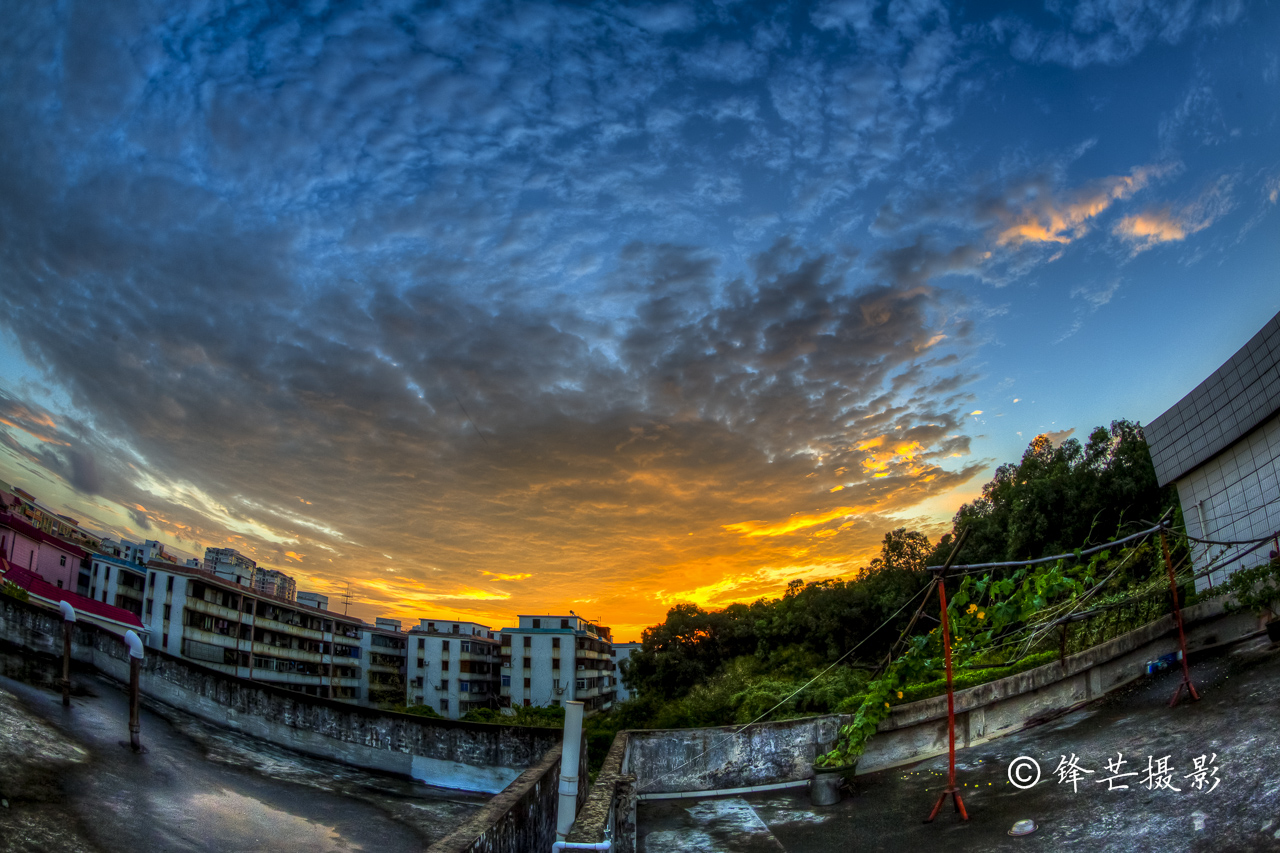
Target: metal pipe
point(68, 620)
point(581, 845)
point(135, 671)
point(570, 757)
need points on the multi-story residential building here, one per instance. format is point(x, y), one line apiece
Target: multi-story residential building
point(453, 666)
point(384, 645)
point(114, 581)
point(551, 660)
point(230, 564)
point(63, 527)
point(274, 582)
point(226, 626)
point(31, 548)
point(621, 654)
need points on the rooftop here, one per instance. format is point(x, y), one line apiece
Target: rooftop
point(1234, 722)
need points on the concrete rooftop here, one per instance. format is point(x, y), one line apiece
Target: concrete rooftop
point(1237, 718)
point(68, 784)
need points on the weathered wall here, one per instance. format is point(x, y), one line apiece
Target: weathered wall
point(610, 810)
point(448, 753)
point(668, 760)
point(521, 819)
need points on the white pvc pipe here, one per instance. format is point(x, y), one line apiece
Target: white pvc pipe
point(68, 612)
point(570, 756)
point(581, 845)
point(135, 645)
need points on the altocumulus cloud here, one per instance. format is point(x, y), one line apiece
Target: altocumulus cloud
point(491, 303)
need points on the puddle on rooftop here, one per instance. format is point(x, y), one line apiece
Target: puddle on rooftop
point(244, 823)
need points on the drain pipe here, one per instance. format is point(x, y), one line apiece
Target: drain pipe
point(580, 845)
point(570, 758)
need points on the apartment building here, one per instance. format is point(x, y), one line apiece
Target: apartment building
point(31, 548)
point(234, 629)
point(114, 581)
point(275, 582)
point(19, 502)
point(230, 564)
point(621, 654)
point(551, 660)
point(384, 663)
point(453, 666)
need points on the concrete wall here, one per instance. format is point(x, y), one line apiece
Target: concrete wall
point(610, 810)
point(677, 760)
point(451, 754)
point(521, 819)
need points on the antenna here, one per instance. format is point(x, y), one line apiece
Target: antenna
point(346, 598)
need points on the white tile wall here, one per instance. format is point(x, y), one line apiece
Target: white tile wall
point(1238, 493)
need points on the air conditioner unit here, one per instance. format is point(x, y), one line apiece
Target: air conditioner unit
point(559, 691)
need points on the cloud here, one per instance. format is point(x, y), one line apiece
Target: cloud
point(1040, 217)
point(1154, 226)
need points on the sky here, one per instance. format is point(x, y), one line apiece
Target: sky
point(493, 309)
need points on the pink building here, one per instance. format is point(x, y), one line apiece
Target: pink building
point(29, 547)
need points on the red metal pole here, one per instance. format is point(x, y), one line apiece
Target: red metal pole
point(951, 715)
point(1182, 636)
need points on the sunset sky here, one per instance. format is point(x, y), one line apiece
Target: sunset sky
point(516, 308)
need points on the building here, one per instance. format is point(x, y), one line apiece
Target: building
point(622, 654)
point(114, 581)
point(550, 660)
point(314, 599)
point(230, 564)
point(1221, 445)
point(38, 551)
point(20, 502)
point(226, 626)
point(384, 663)
point(274, 582)
point(453, 666)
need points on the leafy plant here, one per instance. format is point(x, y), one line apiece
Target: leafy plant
point(12, 590)
point(1256, 589)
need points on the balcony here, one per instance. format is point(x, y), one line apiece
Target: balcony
point(199, 605)
point(270, 651)
point(286, 628)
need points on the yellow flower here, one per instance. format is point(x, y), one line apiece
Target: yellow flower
point(899, 694)
point(886, 704)
point(972, 607)
point(982, 614)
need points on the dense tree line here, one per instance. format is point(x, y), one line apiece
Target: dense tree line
point(1055, 499)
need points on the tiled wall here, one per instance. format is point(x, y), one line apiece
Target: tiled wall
point(1238, 493)
point(1236, 398)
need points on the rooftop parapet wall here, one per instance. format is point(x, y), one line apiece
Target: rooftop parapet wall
point(447, 753)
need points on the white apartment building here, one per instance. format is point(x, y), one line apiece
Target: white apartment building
point(383, 646)
point(621, 654)
point(230, 564)
point(115, 581)
point(314, 599)
point(453, 666)
point(551, 660)
point(225, 626)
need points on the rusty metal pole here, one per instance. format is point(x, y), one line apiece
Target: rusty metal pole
point(68, 623)
point(1177, 618)
point(951, 789)
point(134, 644)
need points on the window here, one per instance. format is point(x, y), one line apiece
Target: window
point(62, 561)
point(527, 703)
point(149, 603)
point(166, 611)
point(555, 642)
point(106, 574)
point(431, 626)
point(466, 647)
point(455, 629)
point(59, 584)
point(528, 642)
point(537, 623)
point(506, 681)
point(564, 623)
point(151, 581)
point(444, 645)
point(464, 686)
point(422, 644)
point(528, 662)
point(555, 682)
point(444, 685)
point(444, 666)
point(170, 583)
point(528, 682)
point(444, 705)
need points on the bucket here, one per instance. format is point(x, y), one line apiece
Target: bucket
point(824, 787)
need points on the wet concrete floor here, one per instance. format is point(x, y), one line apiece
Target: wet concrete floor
point(1234, 728)
point(68, 781)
